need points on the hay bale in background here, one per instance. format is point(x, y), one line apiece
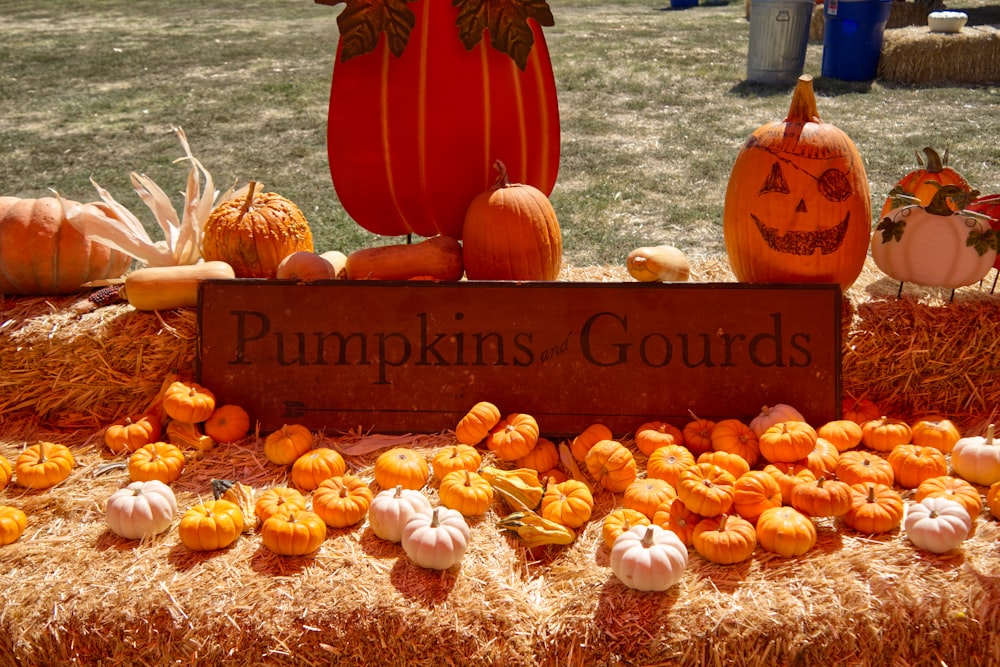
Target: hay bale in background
point(901, 14)
point(917, 55)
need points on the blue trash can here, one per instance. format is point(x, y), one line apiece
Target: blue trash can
point(683, 4)
point(852, 38)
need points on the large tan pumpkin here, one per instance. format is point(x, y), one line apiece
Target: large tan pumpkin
point(797, 206)
point(41, 254)
point(255, 232)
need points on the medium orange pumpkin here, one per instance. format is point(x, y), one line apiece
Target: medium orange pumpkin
point(162, 461)
point(822, 497)
point(466, 491)
point(131, 433)
point(860, 410)
point(188, 402)
point(278, 499)
point(287, 444)
point(912, 465)
point(755, 491)
point(568, 503)
point(648, 495)
point(843, 434)
point(254, 232)
point(316, 465)
point(655, 434)
point(798, 206)
point(342, 501)
point(455, 457)
point(293, 532)
point(875, 508)
point(228, 423)
point(666, 463)
point(786, 531)
point(618, 521)
point(787, 442)
point(43, 465)
point(43, 254)
point(941, 434)
point(736, 437)
point(822, 460)
point(707, 489)
point(511, 233)
point(401, 466)
point(513, 437)
point(612, 465)
point(856, 467)
point(884, 433)
point(477, 423)
point(725, 539)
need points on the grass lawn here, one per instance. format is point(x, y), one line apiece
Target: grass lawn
point(653, 104)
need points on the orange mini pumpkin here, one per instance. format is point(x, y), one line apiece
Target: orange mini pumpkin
point(786, 531)
point(859, 409)
point(698, 435)
point(293, 532)
point(941, 434)
point(465, 491)
point(455, 457)
point(725, 539)
point(162, 461)
point(618, 521)
point(228, 423)
point(342, 501)
point(787, 441)
point(316, 465)
point(589, 437)
point(707, 489)
point(612, 465)
point(677, 518)
point(822, 460)
point(647, 495)
point(513, 437)
point(284, 446)
point(132, 432)
point(734, 463)
point(666, 463)
point(477, 423)
point(736, 437)
point(843, 434)
point(912, 464)
point(655, 434)
point(188, 402)
point(822, 497)
point(884, 433)
point(511, 233)
point(798, 205)
point(875, 508)
point(755, 491)
point(43, 465)
point(856, 467)
point(278, 499)
point(6, 472)
point(568, 503)
point(788, 475)
point(543, 457)
point(211, 525)
point(401, 466)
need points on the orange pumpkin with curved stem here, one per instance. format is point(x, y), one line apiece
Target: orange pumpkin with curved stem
point(477, 423)
point(568, 503)
point(725, 539)
point(698, 435)
point(787, 442)
point(941, 434)
point(401, 466)
point(666, 463)
point(822, 497)
point(736, 437)
point(188, 402)
point(157, 460)
point(417, 119)
point(455, 457)
point(798, 206)
point(618, 521)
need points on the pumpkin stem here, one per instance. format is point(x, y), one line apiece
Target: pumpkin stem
point(647, 538)
point(803, 107)
point(503, 180)
point(248, 202)
point(934, 162)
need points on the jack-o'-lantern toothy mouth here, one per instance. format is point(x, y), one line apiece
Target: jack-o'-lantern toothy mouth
point(803, 243)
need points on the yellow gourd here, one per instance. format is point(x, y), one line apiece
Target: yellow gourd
point(662, 263)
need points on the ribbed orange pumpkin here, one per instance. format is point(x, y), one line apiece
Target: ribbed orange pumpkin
point(797, 207)
point(919, 182)
point(666, 463)
point(43, 254)
point(787, 442)
point(612, 464)
point(253, 233)
point(755, 492)
point(511, 233)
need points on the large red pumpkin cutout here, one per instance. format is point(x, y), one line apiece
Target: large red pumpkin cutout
point(424, 101)
point(797, 207)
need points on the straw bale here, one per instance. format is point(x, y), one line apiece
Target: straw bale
point(915, 55)
point(901, 14)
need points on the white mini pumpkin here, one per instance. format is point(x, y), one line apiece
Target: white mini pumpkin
point(937, 524)
point(649, 558)
point(976, 458)
point(392, 508)
point(438, 540)
point(141, 509)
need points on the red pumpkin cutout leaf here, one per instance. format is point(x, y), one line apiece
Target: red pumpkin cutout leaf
point(363, 21)
point(507, 22)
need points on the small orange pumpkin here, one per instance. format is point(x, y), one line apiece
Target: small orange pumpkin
point(787, 441)
point(228, 423)
point(278, 499)
point(401, 466)
point(698, 435)
point(734, 463)
point(822, 497)
point(455, 457)
point(6, 472)
point(859, 410)
point(666, 463)
point(43, 465)
point(786, 531)
point(618, 521)
point(568, 503)
point(822, 460)
point(477, 423)
point(875, 508)
point(655, 434)
point(589, 437)
point(725, 539)
point(941, 434)
point(513, 437)
point(788, 475)
point(132, 432)
point(316, 465)
point(543, 457)
point(647, 495)
point(211, 525)
point(856, 467)
point(912, 464)
point(707, 489)
point(284, 446)
point(13, 521)
point(843, 434)
point(188, 402)
point(612, 465)
point(342, 501)
point(465, 491)
point(293, 532)
point(677, 518)
point(162, 461)
point(755, 491)
point(884, 433)
point(736, 437)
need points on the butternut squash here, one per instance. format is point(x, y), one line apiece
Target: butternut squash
point(663, 263)
point(167, 287)
point(436, 258)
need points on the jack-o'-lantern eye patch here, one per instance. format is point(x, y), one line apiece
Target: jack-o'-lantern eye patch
point(775, 181)
point(834, 185)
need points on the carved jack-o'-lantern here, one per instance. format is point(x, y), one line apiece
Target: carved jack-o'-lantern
point(798, 207)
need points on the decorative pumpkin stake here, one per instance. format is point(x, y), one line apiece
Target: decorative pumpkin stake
point(798, 207)
point(421, 105)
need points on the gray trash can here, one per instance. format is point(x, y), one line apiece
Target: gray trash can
point(779, 33)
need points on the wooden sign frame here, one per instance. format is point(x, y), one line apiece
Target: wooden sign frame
point(413, 357)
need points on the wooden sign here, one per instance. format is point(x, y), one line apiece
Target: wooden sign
point(413, 357)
